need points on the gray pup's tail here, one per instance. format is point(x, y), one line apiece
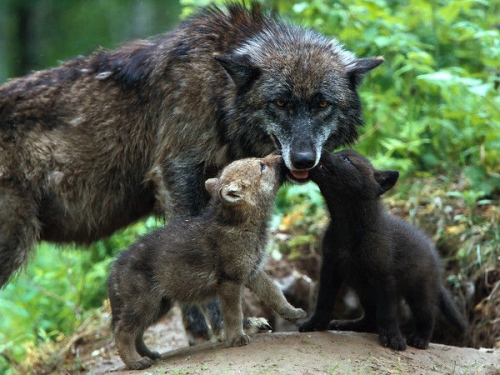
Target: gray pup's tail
point(449, 310)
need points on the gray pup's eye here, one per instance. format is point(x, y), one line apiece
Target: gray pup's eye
point(346, 159)
point(262, 167)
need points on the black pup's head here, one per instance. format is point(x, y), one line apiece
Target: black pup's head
point(348, 174)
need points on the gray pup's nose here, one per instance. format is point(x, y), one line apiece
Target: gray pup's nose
point(303, 159)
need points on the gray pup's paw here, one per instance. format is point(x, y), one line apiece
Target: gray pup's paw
point(239, 340)
point(141, 364)
point(293, 314)
point(253, 325)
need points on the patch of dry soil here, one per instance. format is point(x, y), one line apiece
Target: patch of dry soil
point(327, 352)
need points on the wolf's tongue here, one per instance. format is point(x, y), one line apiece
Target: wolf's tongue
point(300, 175)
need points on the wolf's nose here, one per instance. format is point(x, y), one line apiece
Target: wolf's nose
point(303, 159)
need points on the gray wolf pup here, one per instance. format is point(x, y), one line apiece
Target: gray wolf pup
point(382, 257)
point(195, 259)
point(101, 141)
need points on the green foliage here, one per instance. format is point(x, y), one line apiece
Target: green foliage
point(38, 34)
point(434, 102)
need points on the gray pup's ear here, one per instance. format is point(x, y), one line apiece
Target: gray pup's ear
point(239, 68)
point(386, 179)
point(211, 186)
point(360, 67)
point(231, 194)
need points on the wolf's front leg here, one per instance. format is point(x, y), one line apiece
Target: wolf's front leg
point(180, 192)
point(230, 295)
point(265, 288)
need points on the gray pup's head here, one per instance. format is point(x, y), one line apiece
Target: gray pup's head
point(250, 183)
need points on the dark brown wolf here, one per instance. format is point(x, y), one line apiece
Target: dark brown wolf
point(195, 259)
point(382, 257)
point(102, 141)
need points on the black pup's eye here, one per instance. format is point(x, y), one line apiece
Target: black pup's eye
point(346, 159)
point(262, 167)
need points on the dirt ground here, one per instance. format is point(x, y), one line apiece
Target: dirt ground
point(327, 352)
point(91, 350)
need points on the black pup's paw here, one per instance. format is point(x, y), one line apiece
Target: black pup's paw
point(313, 325)
point(417, 341)
point(395, 342)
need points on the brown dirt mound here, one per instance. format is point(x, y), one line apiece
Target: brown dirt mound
point(323, 353)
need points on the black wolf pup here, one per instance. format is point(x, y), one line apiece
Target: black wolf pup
point(383, 258)
point(195, 259)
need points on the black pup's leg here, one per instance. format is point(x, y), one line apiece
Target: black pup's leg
point(423, 311)
point(387, 317)
point(330, 282)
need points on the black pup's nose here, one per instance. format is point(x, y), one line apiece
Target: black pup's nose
point(303, 159)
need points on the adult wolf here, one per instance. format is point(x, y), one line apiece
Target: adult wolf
point(101, 141)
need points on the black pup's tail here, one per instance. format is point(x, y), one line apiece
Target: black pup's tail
point(447, 306)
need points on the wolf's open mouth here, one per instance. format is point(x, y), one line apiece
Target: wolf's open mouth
point(300, 175)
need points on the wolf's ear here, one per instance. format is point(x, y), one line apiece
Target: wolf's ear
point(211, 186)
point(231, 194)
point(239, 68)
point(386, 180)
point(357, 70)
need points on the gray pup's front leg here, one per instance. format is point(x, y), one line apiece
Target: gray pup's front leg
point(230, 295)
point(265, 288)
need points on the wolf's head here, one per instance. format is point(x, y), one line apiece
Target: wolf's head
point(299, 87)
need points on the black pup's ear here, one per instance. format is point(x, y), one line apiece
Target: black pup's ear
point(239, 68)
point(386, 179)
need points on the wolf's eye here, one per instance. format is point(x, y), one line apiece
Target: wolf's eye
point(279, 103)
point(262, 167)
point(323, 104)
point(346, 159)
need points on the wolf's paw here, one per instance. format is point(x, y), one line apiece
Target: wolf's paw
point(293, 314)
point(239, 340)
point(313, 325)
point(140, 364)
point(395, 342)
point(254, 325)
point(417, 341)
